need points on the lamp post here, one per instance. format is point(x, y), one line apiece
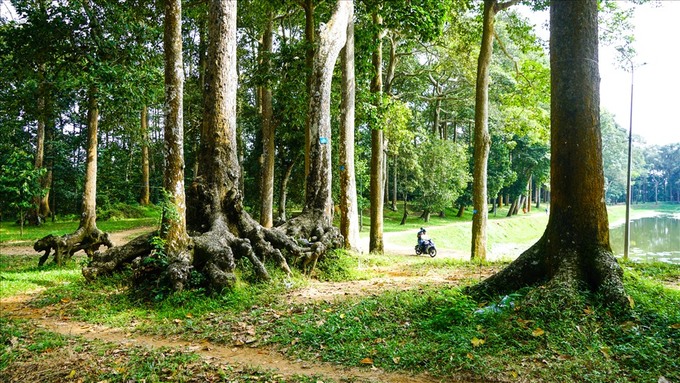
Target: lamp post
point(626, 239)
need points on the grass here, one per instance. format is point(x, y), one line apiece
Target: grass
point(428, 329)
point(144, 216)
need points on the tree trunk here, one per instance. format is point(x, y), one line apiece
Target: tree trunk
point(318, 198)
point(376, 234)
point(461, 210)
point(481, 136)
point(310, 37)
point(394, 184)
point(283, 192)
point(574, 250)
point(405, 216)
point(173, 225)
point(349, 215)
point(268, 148)
point(87, 237)
point(35, 215)
point(144, 127)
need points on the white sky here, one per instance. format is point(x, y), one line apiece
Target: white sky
point(656, 84)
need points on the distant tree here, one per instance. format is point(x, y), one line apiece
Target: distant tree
point(19, 184)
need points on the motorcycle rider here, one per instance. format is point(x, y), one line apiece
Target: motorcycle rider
point(422, 236)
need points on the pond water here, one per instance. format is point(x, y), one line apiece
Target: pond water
point(651, 238)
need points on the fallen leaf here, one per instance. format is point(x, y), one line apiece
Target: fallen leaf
point(606, 351)
point(628, 325)
point(476, 342)
point(675, 326)
point(366, 361)
point(65, 300)
point(631, 302)
point(189, 315)
point(588, 311)
point(470, 356)
point(72, 374)
point(342, 316)
point(537, 332)
point(663, 379)
point(396, 359)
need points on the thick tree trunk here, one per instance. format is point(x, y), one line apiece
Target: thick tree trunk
point(574, 250)
point(144, 199)
point(87, 237)
point(376, 187)
point(349, 215)
point(332, 38)
point(268, 148)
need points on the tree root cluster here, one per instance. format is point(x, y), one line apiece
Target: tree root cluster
point(214, 254)
point(89, 240)
point(564, 271)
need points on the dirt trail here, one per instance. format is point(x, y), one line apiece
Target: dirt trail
point(245, 356)
point(261, 357)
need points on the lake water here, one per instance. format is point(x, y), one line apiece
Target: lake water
point(651, 238)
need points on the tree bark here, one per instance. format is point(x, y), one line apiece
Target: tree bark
point(144, 199)
point(376, 244)
point(482, 139)
point(310, 37)
point(574, 250)
point(87, 237)
point(349, 215)
point(268, 148)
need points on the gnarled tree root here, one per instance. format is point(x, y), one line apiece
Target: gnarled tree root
point(89, 240)
point(565, 269)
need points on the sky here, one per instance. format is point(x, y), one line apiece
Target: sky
point(656, 84)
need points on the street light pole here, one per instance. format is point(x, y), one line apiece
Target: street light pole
point(626, 239)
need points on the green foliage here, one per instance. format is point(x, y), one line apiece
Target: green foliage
point(444, 174)
point(19, 182)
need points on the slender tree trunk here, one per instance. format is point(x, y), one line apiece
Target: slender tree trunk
point(173, 226)
point(310, 37)
point(349, 215)
point(283, 191)
point(145, 197)
point(376, 234)
point(35, 214)
point(394, 183)
point(482, 138)
point(268, 148)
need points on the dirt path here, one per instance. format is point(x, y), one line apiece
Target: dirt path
point(262, 357)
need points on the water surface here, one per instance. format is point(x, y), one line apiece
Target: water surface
point(651, 238)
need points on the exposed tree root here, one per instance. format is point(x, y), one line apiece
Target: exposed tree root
point(570, 269)
point(214, 253)
point(89, 240)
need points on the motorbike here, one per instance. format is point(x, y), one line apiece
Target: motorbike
point(426, 247)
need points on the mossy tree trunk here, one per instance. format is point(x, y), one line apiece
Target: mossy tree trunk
point(574, 252)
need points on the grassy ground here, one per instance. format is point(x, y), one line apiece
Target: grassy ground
point(428, 326)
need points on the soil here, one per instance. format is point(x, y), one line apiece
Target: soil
point(243, 355)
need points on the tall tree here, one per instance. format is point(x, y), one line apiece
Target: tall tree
point(268, 148)
point(375, 244)
point(481, 135)
point(349, 215)
point(144, 198)
point(574, 250)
